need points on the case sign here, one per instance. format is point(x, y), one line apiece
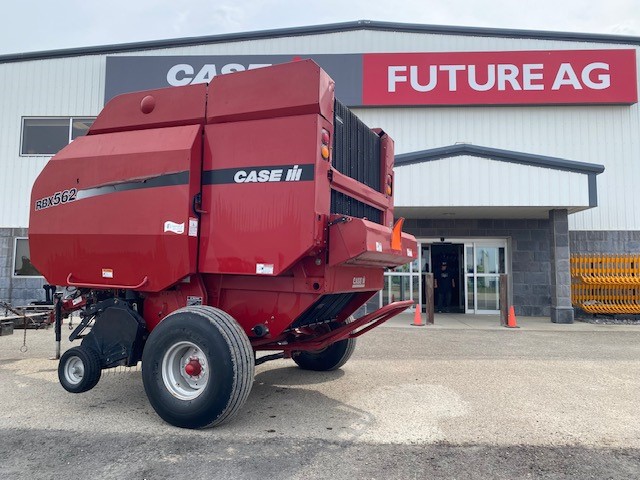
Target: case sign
point(501, 78)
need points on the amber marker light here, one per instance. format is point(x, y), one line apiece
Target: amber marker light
point(324, 139)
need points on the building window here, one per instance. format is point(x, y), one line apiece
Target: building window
point(22, 266)
point(47, 136)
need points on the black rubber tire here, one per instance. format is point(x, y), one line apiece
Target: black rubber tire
point(228, 352)
point(330, 358)
point(90, 364)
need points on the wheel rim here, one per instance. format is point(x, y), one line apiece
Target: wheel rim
point(185, 370)
point(74, 370)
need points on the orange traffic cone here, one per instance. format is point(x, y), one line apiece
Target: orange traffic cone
point(511, 319)
point(417, 317)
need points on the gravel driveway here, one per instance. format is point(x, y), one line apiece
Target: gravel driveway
point(411, 403)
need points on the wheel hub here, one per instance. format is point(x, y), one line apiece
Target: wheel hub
point(194, 367)
point(74, 370)
point(185, 370)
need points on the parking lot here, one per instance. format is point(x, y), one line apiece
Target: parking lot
point(463, 400)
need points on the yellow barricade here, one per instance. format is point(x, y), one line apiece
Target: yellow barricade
point(608, 284)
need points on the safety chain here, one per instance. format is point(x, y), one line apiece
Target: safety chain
point(9, 308)
point(24, 347)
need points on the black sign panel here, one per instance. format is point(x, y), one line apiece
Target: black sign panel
point(130, 74)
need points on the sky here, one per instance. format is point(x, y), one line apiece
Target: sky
point(37, 25)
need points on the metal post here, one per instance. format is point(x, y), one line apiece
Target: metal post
point(57, 300)
point(504, 299)
point(429, 297)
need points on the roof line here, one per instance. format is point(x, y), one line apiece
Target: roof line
point(325, 28)
point(500, 155)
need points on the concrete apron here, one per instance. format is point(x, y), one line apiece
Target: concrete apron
point(455, 321)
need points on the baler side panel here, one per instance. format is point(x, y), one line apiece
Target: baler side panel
point(115, 231)
point(259, 188)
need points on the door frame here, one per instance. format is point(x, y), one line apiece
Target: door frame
point(467, 242)
point(474, 244)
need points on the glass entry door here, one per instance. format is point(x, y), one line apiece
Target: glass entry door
point(484, 262)
point(401, 283)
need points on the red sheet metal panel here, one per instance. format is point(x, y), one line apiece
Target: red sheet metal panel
point(295, 88)
point(113, 209)
point(361, 242)
point(153, 109)
point(261, 180)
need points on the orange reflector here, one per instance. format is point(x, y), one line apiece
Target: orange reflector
point(396, 235)
point(389, 190)
point(324, 151)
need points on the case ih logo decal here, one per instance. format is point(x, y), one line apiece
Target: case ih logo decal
point(279, 173)
point(359, 282)
point(58, 198)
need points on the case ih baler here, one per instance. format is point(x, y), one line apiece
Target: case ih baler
point(194, 226)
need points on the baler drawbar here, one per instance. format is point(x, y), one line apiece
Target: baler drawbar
point(195, 226)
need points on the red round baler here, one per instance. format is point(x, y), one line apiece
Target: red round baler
point(194, 226)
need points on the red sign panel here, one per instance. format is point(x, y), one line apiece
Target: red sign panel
point(501, 78)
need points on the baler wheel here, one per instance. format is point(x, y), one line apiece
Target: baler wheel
point(197, 367)
point(79, 369)
point(330, 358)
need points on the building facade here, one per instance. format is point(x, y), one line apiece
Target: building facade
point(513, 148)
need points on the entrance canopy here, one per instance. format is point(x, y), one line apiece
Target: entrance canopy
point(470, 181)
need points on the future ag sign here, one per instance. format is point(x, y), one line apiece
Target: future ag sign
point(499, 78)
point(540, 77)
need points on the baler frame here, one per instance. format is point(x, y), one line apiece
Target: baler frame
point(350, 330)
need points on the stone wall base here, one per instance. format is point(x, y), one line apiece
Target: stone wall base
point(562, 314)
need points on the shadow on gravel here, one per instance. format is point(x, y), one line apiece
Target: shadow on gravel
point(281, 410)
point(278, 405)
point(291, 376)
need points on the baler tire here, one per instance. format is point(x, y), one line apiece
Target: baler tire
point(224, 346)
point(330, 358)
point(83, 358)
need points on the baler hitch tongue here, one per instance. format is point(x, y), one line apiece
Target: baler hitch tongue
point(352, 329)
point(374, 319)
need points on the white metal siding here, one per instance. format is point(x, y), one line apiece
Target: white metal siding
point(62, 87)
point(374, 42)
point(607, 135)
point(468, 181)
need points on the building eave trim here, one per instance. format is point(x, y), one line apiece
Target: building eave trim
point(498, 155)
point(323, 29)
